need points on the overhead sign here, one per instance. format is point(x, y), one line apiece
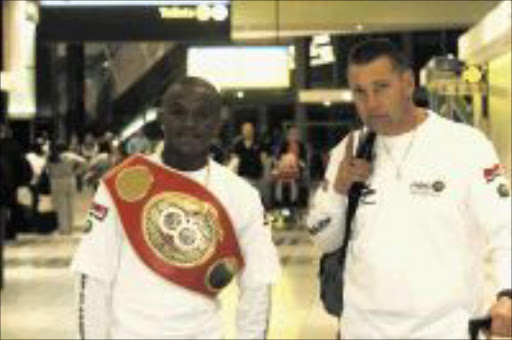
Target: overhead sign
point(321, 51)
point(203, 12)
point(135, 20)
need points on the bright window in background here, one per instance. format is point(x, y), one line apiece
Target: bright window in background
point(138, 123)
point(240, 67)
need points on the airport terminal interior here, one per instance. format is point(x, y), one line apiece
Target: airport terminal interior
point(85, 78)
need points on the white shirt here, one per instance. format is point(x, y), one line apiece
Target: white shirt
point(37, 163)
point(144, 305)
point(415, 260)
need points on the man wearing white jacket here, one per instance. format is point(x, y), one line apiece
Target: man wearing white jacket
point(169, 232)
point(436, 204)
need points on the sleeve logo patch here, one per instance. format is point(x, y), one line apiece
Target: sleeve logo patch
point(503, 190)
point(490, 174)
point(98, 211)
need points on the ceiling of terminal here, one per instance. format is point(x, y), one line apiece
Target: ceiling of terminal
point(255, 20)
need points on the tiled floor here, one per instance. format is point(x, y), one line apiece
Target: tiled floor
point(37, 301)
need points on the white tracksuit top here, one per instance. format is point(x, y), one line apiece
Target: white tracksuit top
point(144, 305)
point(415, 265)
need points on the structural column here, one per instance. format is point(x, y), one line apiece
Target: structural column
point(301, 82)
point(75, 115)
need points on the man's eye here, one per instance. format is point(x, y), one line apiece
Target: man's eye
point(177, 111)
point(359, 93)
point(381, 86)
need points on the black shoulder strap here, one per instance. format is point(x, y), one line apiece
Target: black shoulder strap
point(365, 151)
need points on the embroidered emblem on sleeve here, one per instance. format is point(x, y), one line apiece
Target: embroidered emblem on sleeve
point(98, 211)
point(503, 190)
point(493, 172)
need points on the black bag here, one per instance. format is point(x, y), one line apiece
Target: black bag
point(43, 184)
point(331, 281)
point(332, 265)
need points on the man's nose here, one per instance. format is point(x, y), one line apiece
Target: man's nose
point(372, 102)
point(190, 119)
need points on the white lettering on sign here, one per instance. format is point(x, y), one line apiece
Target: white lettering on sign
point(202, 12)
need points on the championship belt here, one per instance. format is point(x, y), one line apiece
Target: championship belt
point(177, 227)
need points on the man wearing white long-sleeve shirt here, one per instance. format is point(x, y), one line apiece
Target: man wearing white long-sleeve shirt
point(435, 205)
point(168, 232)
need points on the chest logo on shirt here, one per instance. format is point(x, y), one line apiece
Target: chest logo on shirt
point(321, 225)
point(427, 188)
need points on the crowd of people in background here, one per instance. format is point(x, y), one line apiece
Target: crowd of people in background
point(39, 182)
point(275, 163)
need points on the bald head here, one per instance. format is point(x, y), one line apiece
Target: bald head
point(204, 94)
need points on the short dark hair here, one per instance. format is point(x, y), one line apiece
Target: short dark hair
point(192, 84)
point(104, 147)
point(371, 49)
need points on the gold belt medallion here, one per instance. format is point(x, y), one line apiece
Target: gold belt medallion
point(133, 183)
point(181, 229)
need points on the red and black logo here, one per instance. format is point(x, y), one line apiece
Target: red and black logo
point(98, 211)
point(490, 174)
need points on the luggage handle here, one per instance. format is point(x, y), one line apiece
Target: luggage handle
point(478, 325)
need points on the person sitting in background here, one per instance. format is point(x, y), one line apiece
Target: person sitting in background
point(291, 161)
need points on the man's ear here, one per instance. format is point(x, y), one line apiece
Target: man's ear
point(217, 126)
point(408, 80)
point(160, 117)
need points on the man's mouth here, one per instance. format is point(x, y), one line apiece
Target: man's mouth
point(378, 117)
point(190, 136)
